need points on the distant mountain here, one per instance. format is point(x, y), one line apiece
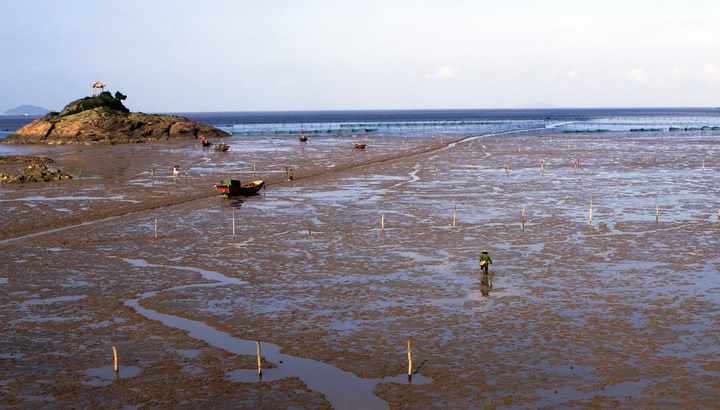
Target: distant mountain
point(27, 109)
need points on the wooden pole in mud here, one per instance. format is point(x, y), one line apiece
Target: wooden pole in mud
point(409, 359)
point(454, 212)
point(155, 228)
point(657, 212)
point(233, 221)
point(115, 358)
point(258, 357)
point(383, 222)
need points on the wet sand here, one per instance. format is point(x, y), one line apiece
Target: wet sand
point(615, 311)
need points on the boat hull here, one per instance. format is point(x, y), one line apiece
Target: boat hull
point(234, 188)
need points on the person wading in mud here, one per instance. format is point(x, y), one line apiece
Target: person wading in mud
point(485, 262)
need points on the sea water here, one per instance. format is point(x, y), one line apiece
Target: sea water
point(424, 122)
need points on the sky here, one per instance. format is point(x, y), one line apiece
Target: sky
point(294, 55)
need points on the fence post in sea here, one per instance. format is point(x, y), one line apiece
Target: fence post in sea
point(657, 212)
point(409, 360)
point(454, 212)
point(383, 222)
point(258, 358)
point(233, 221)
point(155, 228)
point(472, 166)
point(507, 167)
point(115, 358)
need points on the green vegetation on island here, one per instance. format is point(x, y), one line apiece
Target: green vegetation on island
point(103, 100)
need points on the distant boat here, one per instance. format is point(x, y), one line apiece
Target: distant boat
point(222, 147)
point(303, 138)
point(359, 146)
point(232, 187)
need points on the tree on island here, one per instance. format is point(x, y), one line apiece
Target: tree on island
point(102, 100)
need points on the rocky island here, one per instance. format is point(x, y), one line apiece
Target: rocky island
point(103, 119)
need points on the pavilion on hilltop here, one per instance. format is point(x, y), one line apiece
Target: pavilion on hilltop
point(97, 85)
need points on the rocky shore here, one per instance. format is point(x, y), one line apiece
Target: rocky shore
point(32, 169)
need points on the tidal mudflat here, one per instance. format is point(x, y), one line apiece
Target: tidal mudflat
point(604, 292)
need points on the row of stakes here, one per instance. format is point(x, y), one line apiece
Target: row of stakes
point(454, 219)
point(259, 360)
point(472, 167)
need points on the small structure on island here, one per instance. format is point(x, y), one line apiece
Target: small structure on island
point(97, 85)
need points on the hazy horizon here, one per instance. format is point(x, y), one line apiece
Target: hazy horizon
point(226, 56)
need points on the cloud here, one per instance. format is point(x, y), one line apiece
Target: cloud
point(638, 75)
point(444, 73)
point(712, 69)
point(572, 74)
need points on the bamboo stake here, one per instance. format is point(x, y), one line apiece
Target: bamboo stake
point(454, 212)
point(657, 212)
point(472, 166)
point(409, 359)
point(155, 228)
point(383, 222)
point(233, 221)
point(258, 357)
point(115, 358)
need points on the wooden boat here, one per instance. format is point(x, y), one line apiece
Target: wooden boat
point(359, 146)
point(222, 147)
point(232, 187)
point(303, 138)
point(206, 143)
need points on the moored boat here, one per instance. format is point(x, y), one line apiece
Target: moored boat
point(359, 146)
point(233, 187)
point(222, 147)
